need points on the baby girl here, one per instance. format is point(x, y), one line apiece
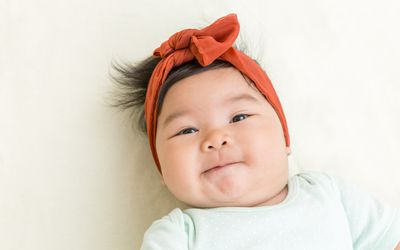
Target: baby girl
point(219, 137)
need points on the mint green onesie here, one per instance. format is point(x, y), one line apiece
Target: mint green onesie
point(320, 212)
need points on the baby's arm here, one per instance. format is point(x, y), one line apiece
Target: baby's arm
point(166, 233)
point(398, 247)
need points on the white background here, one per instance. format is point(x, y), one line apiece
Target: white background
point(74, 175)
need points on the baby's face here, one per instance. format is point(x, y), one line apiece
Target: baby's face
point(220, 143)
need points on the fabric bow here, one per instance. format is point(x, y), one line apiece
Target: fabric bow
point(205, 45)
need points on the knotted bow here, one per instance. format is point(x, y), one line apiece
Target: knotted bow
point(206, 45)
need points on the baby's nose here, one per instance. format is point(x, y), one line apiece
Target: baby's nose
point(215, 140)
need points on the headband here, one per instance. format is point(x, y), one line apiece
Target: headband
point(205, 45)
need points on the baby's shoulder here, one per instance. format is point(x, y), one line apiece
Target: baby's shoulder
point(175, 217)
point(167, 232)
point(313, 177)
point(311, 180)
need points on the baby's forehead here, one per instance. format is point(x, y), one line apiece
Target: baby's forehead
point(219, 87)
point(222, 81)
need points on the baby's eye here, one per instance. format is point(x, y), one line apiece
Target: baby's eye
point(238, 118)
point(187, 131)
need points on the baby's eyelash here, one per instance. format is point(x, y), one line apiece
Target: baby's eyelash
point(186, 131)
point(240, 116)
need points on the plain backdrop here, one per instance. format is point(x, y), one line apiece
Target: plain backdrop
point(75, 175)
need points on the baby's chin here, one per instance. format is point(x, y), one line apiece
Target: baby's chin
point(237, 196)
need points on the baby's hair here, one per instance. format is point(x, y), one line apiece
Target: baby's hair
point(132, 81)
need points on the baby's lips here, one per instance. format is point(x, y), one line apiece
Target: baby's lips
point(219, 165)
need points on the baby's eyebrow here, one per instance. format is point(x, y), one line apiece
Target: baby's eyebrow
point(174, 116)
point(235, 98)
point(240, 97)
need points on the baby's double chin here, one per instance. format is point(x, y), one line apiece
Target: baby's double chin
point(232, 194)
point(276, 199)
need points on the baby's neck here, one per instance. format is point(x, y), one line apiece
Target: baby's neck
point(278, 198)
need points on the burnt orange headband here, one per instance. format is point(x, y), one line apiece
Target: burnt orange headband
point(206, 45)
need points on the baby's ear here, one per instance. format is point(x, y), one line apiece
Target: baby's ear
point(288, 150)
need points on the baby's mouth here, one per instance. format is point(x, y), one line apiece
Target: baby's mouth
point(218, 167)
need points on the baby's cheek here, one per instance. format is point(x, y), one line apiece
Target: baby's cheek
point(178, 160)
point(253, 130)
point(180, 177)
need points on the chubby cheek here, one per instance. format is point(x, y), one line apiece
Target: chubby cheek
point(178, 166)
point(266, 142)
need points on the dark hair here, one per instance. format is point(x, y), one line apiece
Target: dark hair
point(132, 81)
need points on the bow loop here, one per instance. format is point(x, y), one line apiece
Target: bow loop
point(206, 49)
point(177, 41)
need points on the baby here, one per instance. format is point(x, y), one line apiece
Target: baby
point(219, 138)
